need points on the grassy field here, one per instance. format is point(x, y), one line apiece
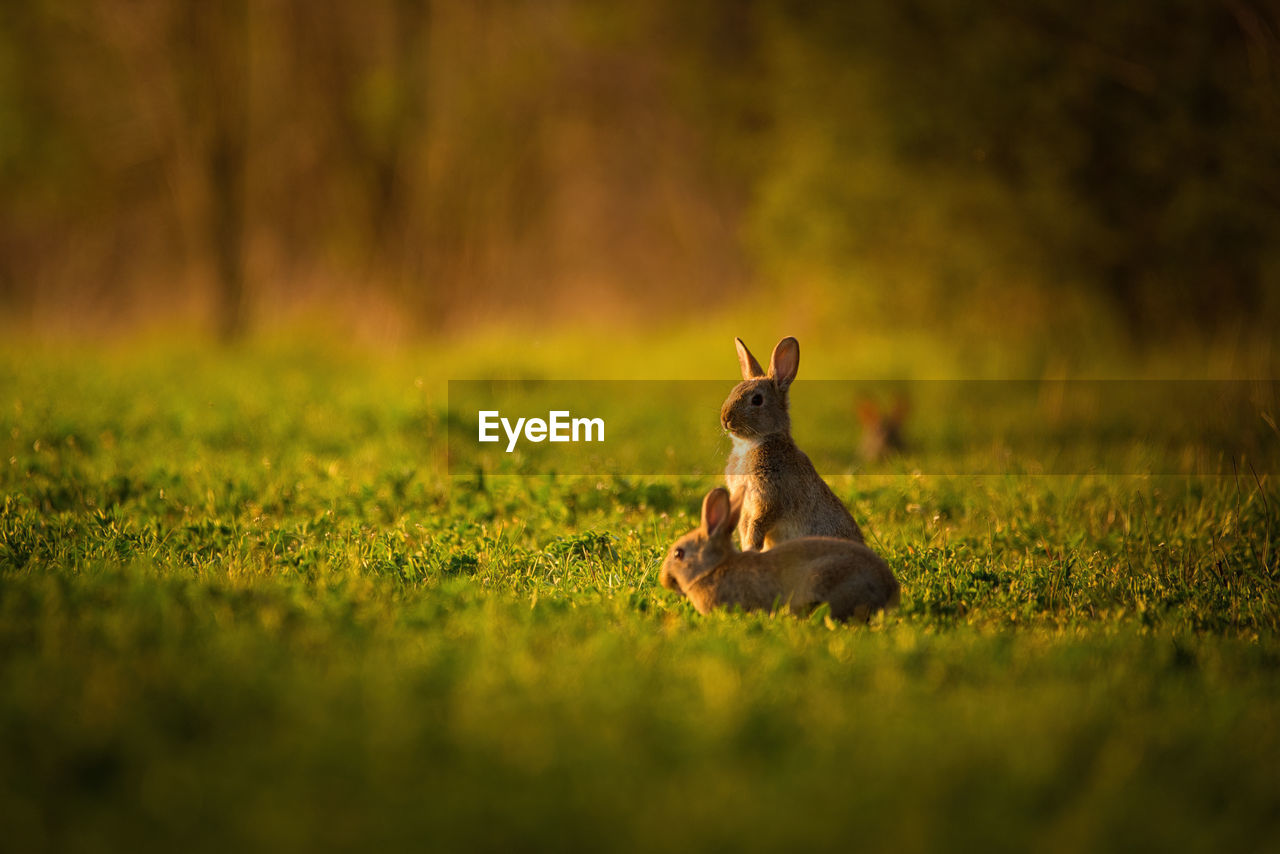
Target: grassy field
point(242, 605)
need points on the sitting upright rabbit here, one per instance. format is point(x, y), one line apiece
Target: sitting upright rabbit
point(783, 496)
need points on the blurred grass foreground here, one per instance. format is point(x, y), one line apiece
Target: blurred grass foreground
point(1086, 166)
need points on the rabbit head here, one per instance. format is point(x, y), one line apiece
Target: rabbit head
point(757, 406)
point(705, 547)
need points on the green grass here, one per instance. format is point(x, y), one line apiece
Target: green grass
point(241, 604)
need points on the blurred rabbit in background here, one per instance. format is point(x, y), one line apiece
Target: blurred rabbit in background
point(882, 434)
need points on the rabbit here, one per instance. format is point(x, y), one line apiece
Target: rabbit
point(800, 573)
point(882, 428)
point(784, 497)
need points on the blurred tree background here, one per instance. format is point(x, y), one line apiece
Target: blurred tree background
point(460, 161)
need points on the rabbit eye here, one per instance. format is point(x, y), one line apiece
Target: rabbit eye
point(679, 553)
point(757, 399)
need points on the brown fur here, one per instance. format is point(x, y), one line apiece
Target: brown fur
point(783, 496)
point(798, 574)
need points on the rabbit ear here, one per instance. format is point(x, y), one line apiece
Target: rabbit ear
point(785, 362)
point(750, 367)
point(716, 510)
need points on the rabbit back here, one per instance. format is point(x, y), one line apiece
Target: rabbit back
point(801, 574)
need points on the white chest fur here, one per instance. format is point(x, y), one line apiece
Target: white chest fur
point(735, 470)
